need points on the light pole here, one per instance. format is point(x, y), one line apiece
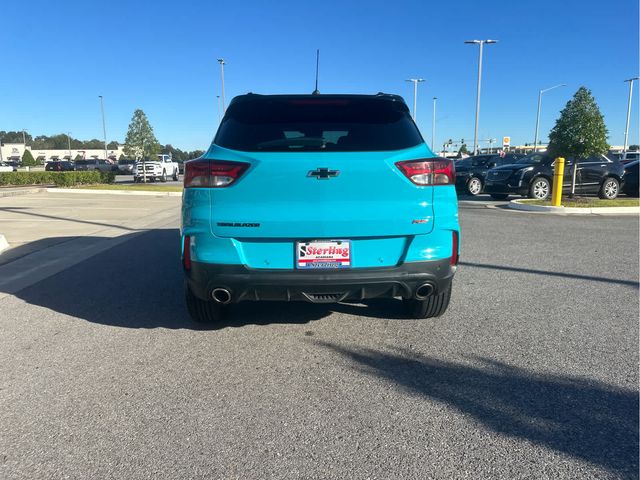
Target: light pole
point(535, 138)
point(222, 64)
point(433, 124)
point(475, 134)
point(24, 137)
point(415, 82)
point(219, 115)
point(104, 126)
point(69, 144)
point(626, 129)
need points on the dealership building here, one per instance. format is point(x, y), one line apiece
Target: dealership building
point(14, 151)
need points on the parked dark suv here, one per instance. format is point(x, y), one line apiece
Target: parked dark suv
point(59, 166)
point(93, 164)
point(532, 176)
point(471, 172)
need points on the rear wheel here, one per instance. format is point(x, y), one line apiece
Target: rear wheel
point(499, 196)
point(474, 186)
point(609, 189)
point(176, 174)
point(430, 307)
point(540, 188)
point(202, 311)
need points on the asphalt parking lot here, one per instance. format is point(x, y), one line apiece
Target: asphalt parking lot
point(129, 179)
point(532, 373)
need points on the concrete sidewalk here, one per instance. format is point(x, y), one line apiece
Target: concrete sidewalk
point(48, 232)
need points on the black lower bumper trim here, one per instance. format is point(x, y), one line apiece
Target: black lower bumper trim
point(318, 286)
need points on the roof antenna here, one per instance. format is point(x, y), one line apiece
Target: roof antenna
point(316, 91)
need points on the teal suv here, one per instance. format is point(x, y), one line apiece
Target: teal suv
point(319, 198)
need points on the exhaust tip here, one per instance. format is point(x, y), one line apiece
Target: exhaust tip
point(424, 290)
point(221, 295)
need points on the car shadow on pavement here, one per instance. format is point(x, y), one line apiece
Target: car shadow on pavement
point(585, 419)
point(139, 284)
point(25, 249)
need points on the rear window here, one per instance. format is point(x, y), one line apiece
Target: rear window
point(336, 124)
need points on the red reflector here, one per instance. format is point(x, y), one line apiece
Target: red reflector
point(454, 249)
point(186, 252)
point(202, 173)
point(431, 171)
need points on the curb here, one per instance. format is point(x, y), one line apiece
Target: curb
point(523, 206)
point(3, 243)
point(21, 191)
point(114, 192)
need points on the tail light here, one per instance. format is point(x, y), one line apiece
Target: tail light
point(212, 173)
point(186, 252)
point(454, 249)
point(432, 171)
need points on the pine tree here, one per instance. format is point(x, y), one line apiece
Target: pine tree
point(27, 159)
point(580, 131)
point(141, 143)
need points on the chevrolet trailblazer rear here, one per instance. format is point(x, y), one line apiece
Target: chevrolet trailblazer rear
point(319, 198)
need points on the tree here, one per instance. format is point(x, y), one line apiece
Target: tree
point(177, 154)
point(634, 148)
point(14, 137)
point(27, 159)
point(580, 131)
point(463, 150)
point(141, 143)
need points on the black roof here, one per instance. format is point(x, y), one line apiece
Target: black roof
point(380, 95)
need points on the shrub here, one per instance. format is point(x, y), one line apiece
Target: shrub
point(27, 159)
point(59, 179)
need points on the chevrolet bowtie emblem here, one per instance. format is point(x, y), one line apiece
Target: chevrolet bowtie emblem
point(323, 173)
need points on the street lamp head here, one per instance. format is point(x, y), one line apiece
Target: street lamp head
point(491, 41)
point(221, 61)
point(632, 79)
point(472, 41)
point(544, 90)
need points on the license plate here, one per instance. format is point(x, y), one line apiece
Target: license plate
point(323, 254)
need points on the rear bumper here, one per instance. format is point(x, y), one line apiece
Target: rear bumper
point(290, 285)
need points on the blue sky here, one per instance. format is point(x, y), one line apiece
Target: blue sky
point(160, 56)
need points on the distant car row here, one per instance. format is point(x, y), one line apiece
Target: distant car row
point(532, 176)
point(81, 165)
point(124, 166)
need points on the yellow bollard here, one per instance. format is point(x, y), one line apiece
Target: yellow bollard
point(558, 177)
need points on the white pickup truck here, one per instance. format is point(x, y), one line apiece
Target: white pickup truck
point(156, 169)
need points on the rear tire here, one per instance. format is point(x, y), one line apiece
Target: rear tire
point(430, 307)
point(176, 175)
point(499, 196)
point(202, 311)
point(609, 189)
